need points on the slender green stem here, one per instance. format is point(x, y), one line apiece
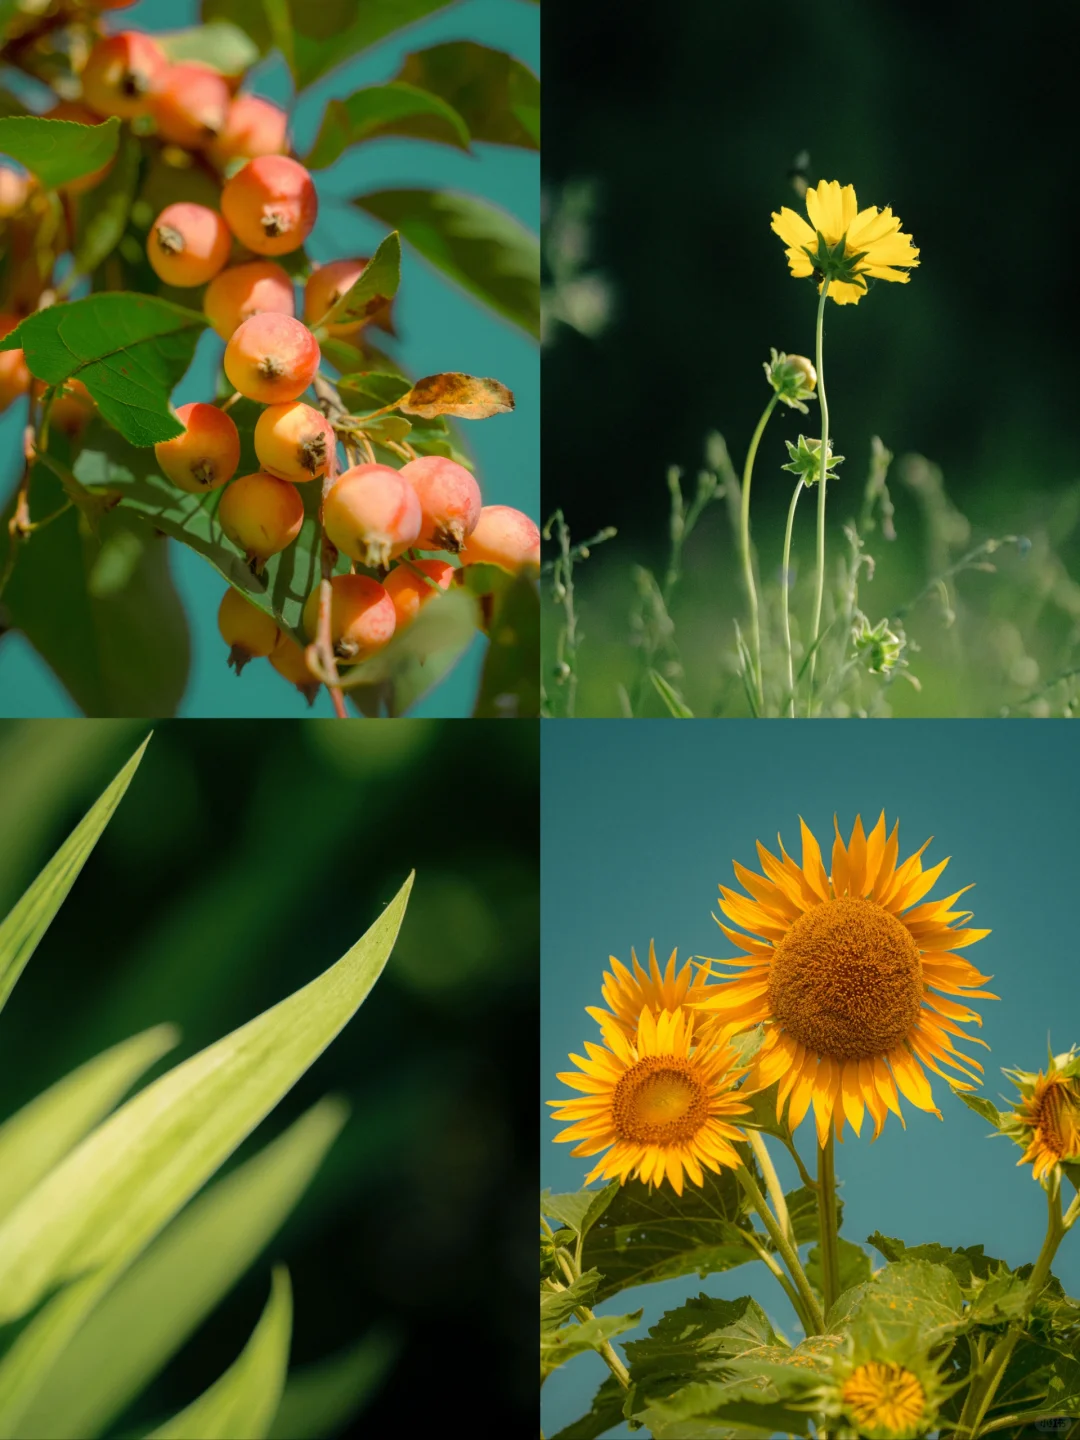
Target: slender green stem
point(770, 1262)
point(747, 558)
point(820, 592)
point(785, 584)
point(607, 1351)
point(829, 1241)
point(756, 1141)
point(788, 1253)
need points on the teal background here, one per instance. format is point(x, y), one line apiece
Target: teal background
point(440, 327)
point(641, 822)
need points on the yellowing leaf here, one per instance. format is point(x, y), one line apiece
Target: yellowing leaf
point(466, 396)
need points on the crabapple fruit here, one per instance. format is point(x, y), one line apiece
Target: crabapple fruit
point(14, 376)
point(188, 244)
point(14, 188)
point(503, 537)
point(362, 616)
point(206, 455)
point(289, 660)
point(240, 291)
point(270, 204)
point(82, 115)
point(449, 499)
point(72, 407)
point(294, 441)
point(410, 592)
point(324, 289)
point(253, 127)
point(372, 514)
point(262, 515)
point(248, 631)
point(121, 74)
point(271, 358)
point(190, 103)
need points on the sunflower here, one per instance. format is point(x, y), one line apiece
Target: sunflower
point(657, 1104)
point(870, 1396)
point(851, 978)
point(1046, 1122)
point(843, 243)
point(656, 990)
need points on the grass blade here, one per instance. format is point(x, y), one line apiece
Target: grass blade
point(242, 1404)
point(23, 928)
point(677, 707)
point(38, 1136)
point(321, 1399)
point(158, 1303)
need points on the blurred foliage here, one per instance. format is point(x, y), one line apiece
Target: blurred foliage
point(241, 858)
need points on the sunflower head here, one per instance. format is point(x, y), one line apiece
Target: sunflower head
point(628, 992)
point(1046, 1119)
point(852, 977)
point(879, 1392)
point(842, 244)
point(656, 1105)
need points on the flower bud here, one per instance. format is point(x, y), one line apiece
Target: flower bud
point(793, 378)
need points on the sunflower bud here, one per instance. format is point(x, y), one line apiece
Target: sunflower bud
point(1046, 1121)
point(806, 460)
point(792, 377)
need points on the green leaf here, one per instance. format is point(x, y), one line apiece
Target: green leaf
point(558, 1306)
point(159, 1302)
point(381, 110)
point(320, 1399)
point(104, 211)
point(128, 350)
point(221, 45)
point(101, 1206)
point(23, 928)
point(580, 1210)
point(57, 151)
point(605, 1412)
point(907, 1302)
point(103, 613)
point(378, 283)
point(510, 684)
point(417, 657)
point(854, 1267)
point(39, 1135)
point(371, 390)
point(497, 96)
point(559, 1346)
point(654, 1235)
point(282, 589)
point(243, 1403)
point(986, 1108)
point(278, 19)
point(700, 1338)
point(484, 250)
point(966, 1264)
point(675, 704)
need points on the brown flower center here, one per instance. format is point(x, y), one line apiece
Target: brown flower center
point(660, 1101)
point(1058, 1118)
point(846, 980)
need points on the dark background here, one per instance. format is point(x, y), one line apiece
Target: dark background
point(962, 117)
point(244, 860)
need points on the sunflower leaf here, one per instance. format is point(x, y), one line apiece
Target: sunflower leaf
point(854, 1267)
point(245, 1400)
point(558, 1306)
point(581, 1210)
point(23, 928)
point(559, 1346)
point(603, 1415)
point(986, 1108)
point(967, 1264)
point(908, 1301)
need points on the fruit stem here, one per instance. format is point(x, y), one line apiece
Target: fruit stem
point(332, 408)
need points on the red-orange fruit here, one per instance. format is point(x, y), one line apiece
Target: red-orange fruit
point(188, 244)
point(503, 537)
point(206, 455)
point(241, 291)
point(271, 358)
point(325, 287)
point(294, 441)
point(362, 616)
point(190, 103)
point(14, 188)
point(72, 407)
point(289, 660)
point(248, 631)
point(261, 514)
point(14, 376)
point(121, 74)
point(270, 204)
point(449, 499)
point(372, 514)
point(253, 127)
point(410, 592)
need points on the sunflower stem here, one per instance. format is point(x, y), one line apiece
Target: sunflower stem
point(747, 557)
point(820, 591)
point(788, 1288)
point(756, 1141)
point(785, 583)
point(607, 1351)
point(828, 1243)
point(787, 1251)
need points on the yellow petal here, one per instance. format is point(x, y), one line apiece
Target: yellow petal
point(793, 229)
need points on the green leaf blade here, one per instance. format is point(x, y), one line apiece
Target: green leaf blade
point(320, 1399)
point(57, 151)
point(378, 282)
point(497, 96)
point(381, 111)
point(242, 1404)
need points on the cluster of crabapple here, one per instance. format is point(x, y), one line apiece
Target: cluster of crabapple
point(381, 517)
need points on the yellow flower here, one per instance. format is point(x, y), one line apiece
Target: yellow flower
point(657, 1105)
point(628, 994)
point(884, 1398)
point(1047, 1120)
point(851, 977)
point(844, 243)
